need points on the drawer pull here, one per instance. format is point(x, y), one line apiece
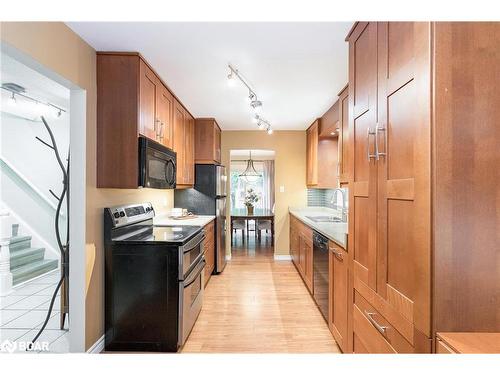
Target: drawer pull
point(379, 328)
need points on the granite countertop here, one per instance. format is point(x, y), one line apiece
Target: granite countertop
point(199, 221)
point(337, 232)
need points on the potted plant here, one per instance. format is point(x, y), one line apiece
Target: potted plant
point(251, 198)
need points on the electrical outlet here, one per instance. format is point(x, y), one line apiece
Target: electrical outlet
point(282, 188)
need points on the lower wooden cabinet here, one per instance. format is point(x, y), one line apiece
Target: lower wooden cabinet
point(338, 294)
point(301, 250)
point(209, 250)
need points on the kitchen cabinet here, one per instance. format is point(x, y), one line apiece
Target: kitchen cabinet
point(207, 141)
point(301, 250)
point(312, 154)
point(132, 100)
point(294, 240)
point(400, 218)
point(337, 296)
point(209, 246)
point(343, 136)
point(183, 141)
point(390, 194)
point(155, 107)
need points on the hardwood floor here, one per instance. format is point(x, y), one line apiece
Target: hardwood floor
point(258, 305)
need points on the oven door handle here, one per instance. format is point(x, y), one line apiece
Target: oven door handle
point(196, 272)
point(194, 242)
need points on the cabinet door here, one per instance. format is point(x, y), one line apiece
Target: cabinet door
point(164, 107)
point(217, 144)
point(148, 122)
point(294, 241)
point(338, 295)
point(403, 137)
point(343, 135)
point(312, 154)
point(189, 149)
point(179, 129)
point(306, 266)
point(363, 167)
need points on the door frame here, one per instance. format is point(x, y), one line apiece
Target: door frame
point(77, 194)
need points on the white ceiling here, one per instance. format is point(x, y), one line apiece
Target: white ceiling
point(296, 69)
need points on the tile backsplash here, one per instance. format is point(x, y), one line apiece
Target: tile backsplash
point(323, 197)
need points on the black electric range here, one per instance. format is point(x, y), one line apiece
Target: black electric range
point(154, 280)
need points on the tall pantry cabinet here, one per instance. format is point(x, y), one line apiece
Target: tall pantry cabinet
point(399, 85)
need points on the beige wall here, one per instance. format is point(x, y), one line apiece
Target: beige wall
point(59, 49)
point(290, 172)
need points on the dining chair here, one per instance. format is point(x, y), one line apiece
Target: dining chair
point(239, 224)
point(264, 224)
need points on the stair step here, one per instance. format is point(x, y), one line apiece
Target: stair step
point(19, 243)
point(25, 256)
point(34, 269)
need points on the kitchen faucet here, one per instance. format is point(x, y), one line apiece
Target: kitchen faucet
point(344, 201)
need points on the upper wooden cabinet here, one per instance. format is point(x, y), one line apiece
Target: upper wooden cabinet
point(312, 135)
point(207, 141)
point(183, 141)
point(327, 152)
point(132, 100)
point(329, 124)
point(410, 151)
point(343, 136)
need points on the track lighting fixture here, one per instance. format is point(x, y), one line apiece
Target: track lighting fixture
point(16, 91)
point(255, 103)
point(269, 131)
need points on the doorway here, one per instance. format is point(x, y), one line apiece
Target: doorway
point(31, 188)
point(252, 203)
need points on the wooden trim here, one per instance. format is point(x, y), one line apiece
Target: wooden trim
point(343, 89)
point(351, 30)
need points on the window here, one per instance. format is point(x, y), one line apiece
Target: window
point(239, 186)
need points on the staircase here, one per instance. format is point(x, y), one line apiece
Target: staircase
point(28, 262)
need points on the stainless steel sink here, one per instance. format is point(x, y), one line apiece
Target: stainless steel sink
point(325, 219)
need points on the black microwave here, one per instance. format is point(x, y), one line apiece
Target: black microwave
point(157, 165)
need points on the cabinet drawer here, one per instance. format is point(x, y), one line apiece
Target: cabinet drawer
point(442, 348)
point(374, 332)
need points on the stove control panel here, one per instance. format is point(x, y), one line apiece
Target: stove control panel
point(129, 214)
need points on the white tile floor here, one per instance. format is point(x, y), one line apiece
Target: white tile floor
point(23, 312)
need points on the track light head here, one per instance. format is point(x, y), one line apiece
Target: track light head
point(256, 105)
point(230, 79)
point(12, 99)
point(269, 131)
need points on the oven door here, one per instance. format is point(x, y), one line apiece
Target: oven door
point(190, 300)
point(157, 165)
point(190, 254)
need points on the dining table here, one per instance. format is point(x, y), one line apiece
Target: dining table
point(257, 214)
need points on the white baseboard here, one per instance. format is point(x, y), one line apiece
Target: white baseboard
point(282, 257)
point(97, 347)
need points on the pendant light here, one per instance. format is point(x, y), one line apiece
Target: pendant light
point(250, 174)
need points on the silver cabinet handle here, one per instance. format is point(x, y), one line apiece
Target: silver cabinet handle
point(161, 130)
point(337, 254)
point(368, 155)
point(157, 121)
point(381, 329)
point(377, 152)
